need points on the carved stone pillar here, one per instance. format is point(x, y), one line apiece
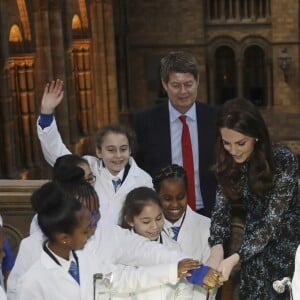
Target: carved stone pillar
point(212, 81)
point(8, 166)
point(269, 83)
point(69, 79)
point(7, 127)
point(121, 33)
point(104, 61)
point(58, 63)
point(240, 76)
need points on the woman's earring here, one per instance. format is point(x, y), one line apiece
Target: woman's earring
point(256, 140)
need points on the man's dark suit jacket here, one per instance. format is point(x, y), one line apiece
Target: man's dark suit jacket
point(152, 128)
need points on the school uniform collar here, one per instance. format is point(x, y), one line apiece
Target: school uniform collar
point(65, 264)
point(175, 114)
point(110, 177)
point(168, 224)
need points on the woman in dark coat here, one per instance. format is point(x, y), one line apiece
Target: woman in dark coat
point(263, 179)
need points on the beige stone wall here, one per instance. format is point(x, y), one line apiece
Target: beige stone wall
point(156, 27)
point(285, 33)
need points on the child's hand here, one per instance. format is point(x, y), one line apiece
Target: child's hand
point(185, 265)
point(211, 279)
point(53, 94)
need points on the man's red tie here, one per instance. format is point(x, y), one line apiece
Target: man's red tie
point(188, 162)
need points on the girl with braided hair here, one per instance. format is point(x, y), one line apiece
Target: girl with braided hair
point(189, 229)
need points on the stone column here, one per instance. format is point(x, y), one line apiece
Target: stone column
point(8, 167)
point(58, 63)
point(240, 76)
point(104, 61)
point(122, 58)
point(68, 73)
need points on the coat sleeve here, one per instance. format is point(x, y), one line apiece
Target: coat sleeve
point(220, 220)
point(20, 267)
point(281, 201)
point(127, 279)
point(183, 290)
point(51, 142)
point(140, 251)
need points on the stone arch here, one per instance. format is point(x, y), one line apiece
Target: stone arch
point(15, 35)
point(258, 41)
point(221, 41)
point(212, 68)
point(76, 22)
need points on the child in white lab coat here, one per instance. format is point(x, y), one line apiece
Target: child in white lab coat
point(116, 245)
point(64, 221)
point(115, 170)
point(142, 213)
point(189, 229)
point(74, 175)
point(61, 272)
point(66, 170)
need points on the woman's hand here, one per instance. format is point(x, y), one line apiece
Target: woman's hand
point(216, 256)
point(227, 265)
point(185, 265)
point(53, 94)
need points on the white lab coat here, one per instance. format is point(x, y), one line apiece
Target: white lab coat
point(2, 294)
point(110, 243)
point(46, 280)
point(193, 240)
point(182, 290)
point(111, 201)
point(296, 277)
point(29, 252)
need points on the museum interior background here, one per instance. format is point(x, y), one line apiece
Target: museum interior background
point(108, 51)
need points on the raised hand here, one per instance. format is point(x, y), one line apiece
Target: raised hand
point(185, 265)
point(53, 94)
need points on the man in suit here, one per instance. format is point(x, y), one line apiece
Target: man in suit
point(159, 128)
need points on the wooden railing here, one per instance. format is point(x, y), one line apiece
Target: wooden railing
point(15, 208)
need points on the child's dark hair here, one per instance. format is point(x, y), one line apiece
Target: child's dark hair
point(66, 168)
point(119, 129)
point(170, 171)
point(134, 203)
point(71, 177)
point(56, 209)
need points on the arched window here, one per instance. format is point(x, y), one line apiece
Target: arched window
point(225, 74)
point(255, 75)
